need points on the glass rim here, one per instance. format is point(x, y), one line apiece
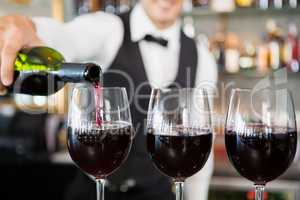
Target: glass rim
point(177, 89)
point(241, 89)
point(250, 89)
point(113, 88)
point(103, 88)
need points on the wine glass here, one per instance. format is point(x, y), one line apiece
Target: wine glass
point(99, 139)
point(179, 133)
point(261, 134)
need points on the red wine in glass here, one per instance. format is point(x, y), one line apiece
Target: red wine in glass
point(261, 132)
point(181, 155)
point(99, 136)
point(261, 154)
point(100, 151)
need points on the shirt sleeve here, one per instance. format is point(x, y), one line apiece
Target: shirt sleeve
point(197, 186)
point(93, 37)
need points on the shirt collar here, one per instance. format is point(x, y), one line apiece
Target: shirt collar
point(140, 25)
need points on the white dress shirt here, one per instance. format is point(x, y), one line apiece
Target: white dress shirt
point(97, 38)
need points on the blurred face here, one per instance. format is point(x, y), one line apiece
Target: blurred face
point(163, 13)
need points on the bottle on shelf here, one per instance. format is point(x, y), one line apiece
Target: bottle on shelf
point(223, 6)
point(275, 44)
point(111, 6)
point(200, 3)
point(278, 4)
point(86, 6)
point(43, 71)
point(262, 58)
point(247, 59)
point(292, 49)
point(232, 53)
point(244, 3)
point(187, 6)
point(294, 3)
point(124, 6)
point(217, 46)
point(263, 4)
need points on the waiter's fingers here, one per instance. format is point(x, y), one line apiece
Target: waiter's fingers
point(16, 32)
point(3, 89)
point(8, 56)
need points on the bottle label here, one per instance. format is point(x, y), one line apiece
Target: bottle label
point(22, 64)
point(38, 59)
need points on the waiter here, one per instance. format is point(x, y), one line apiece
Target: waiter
point(144, 48)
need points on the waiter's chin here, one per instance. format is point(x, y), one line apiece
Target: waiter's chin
point(163, 13)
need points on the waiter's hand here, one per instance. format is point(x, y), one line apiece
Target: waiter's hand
point(16, 32)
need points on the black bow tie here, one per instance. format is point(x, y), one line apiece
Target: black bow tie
point(161, 41)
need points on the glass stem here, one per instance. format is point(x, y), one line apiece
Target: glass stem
point(259, 192)
point(100, 184)
point(179, 190)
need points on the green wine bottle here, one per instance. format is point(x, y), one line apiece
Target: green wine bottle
point(43, 71)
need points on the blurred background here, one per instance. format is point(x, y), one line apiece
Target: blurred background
point(248, 39)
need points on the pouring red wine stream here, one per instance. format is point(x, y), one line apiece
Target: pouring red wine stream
point(99, 102)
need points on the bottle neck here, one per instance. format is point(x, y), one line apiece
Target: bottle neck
point(79, 72)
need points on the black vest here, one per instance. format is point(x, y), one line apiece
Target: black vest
point(128, 64)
